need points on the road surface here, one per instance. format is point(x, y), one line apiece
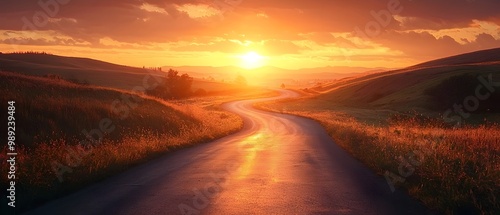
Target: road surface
point(278, 164)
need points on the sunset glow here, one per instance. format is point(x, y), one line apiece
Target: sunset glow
point(290, 35)
point(250, 106)
point(251, 60)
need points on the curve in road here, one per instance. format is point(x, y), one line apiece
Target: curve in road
point(277, 164)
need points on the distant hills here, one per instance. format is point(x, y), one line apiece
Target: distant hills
point(106, 74)
point(478, 57)
point(419, 86)
point(271, 76)
point(95, 72)
point(435, 85)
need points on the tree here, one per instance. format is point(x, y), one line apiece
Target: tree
point(282, 86)
point(172, 75)
point(174, 86)
point(240, 80)
point(178, 86)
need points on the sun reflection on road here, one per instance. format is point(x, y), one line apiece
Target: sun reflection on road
point(250, 146)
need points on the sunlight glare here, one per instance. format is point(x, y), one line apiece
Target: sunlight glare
point(251, 60)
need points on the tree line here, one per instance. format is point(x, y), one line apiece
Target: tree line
point(27, 52)
point(174, 86)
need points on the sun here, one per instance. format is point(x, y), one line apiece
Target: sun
point(251, 60)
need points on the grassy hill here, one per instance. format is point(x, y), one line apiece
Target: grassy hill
point(452, 169)
point(99, 73)
point(478, 57)
point(93, 72)
point(52, 118)
point(429, 88)
point(80, 69)
point(409, 88)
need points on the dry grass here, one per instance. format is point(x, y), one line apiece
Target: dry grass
point(460, 169)
point(50, 115)
point(90, 164)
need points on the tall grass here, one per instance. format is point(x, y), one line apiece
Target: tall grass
point(460, 169)
point(50, 115)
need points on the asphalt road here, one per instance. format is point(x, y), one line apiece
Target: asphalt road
point(278, 164)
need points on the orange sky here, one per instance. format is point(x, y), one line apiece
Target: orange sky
point(281, 33)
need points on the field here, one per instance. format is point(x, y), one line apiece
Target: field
point(94, 72)
point(52, 116)
point(395, 122)
point(451, 170)
point(80, 121)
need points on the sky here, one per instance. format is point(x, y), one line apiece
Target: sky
point(252, 33)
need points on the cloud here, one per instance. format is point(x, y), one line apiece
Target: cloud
point(216, 45)
point(55, 41)
point(280, 47)
point(453, 12)
point(196, 11)
point(267, 47)
point(425, 46)
point(152, 8)
point(484, 41)
point(167, 20)
point(422, 30)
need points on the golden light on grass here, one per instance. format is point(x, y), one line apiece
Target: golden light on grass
point(458, 164)
point(252, 60)
point(187, 124)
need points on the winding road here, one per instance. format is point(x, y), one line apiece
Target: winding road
point(277, 164)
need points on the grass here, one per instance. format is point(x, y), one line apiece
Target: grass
point(458, 173)
point(50, 115)
point(393, 122)
point(407, 89)
point(94, 72)
point(459, 168)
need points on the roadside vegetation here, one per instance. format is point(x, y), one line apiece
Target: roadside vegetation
point(63, 147)
point(398, 124)
point(453, 170)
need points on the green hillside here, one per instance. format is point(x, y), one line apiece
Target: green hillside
point(93, 72)
point(425, 90)
point(408, 89)
point(417, 87)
